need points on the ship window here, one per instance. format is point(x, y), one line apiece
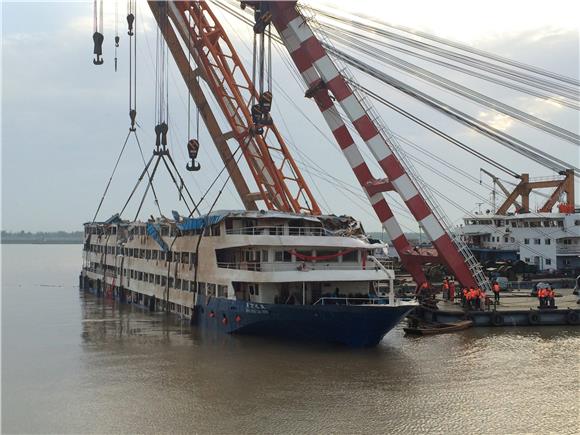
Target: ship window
point(192, 258)
point(282, 256)
point(548, 261)
point(178, 283)
point(171, 282)
point(176, 256)
point(140, 276)
point(210, 289)
point(526, 224)
point(185, 257)
point(146, 277)
point(526, 241)
point(254, 289)
point(157, 279)
point(179, 308)
point(560, 223)
point(141, 253)
point(154, 254)
point(527, 260)
point(512, 239)
point(534, 224)
point(169, 256)
point(163, 281)
point(131, 273)
point(222, 291)
point(505, 239)
point(148, 254)
point(192, 286)
point(351, 256)
point(547, 241)
point(185, 285)
point(162, 255)
point(331, 256)
point(201, 287)
point(151, 277)
point(186, 311)
point(276, 230)
point(537, 241)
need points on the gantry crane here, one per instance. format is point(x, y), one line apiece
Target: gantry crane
point(280, 183)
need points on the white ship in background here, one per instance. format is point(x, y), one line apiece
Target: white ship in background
point(548, 239)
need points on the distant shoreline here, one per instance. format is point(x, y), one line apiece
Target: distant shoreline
point(41, 242)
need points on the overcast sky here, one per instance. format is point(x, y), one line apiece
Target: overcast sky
point(64, 119)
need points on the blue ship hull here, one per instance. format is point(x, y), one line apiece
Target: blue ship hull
point(351, 325)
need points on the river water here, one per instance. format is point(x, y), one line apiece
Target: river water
point(72, 363)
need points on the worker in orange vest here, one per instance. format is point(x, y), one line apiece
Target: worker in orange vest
point(471, 295)
point(445, 289)
point(542, 297)
point(496, 289)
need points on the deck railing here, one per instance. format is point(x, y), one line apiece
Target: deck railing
point(331, 300)
point(283, 231)
point(294, 266)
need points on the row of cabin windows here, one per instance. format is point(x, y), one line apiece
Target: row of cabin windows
point(285, 256)
point(211, 289)
point(537, 224)
point(99, 231)
point(148, 254)
point(538, 241)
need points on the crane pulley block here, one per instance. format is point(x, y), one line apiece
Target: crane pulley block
point(98, 39)
point(192, 150)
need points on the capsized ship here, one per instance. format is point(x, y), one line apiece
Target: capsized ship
point(249, 272)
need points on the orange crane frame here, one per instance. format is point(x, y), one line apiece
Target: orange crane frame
point(280, 183)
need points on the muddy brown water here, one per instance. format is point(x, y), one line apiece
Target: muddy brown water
point(73, 363)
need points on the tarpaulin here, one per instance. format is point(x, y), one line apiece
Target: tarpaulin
point(190, 224)
point(154, 234)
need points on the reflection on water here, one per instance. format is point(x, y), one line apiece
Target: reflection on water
point(75, 363)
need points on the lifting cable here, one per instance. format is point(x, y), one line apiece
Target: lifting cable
point(571, 103)
point(117, 39)
point(561, 89)
point(132, 32)
point(98, 31)
point(111, 177)
point(522, 148)
point(192, 144)
point(472, 95)
point(262, 67)
point(435, 130)
point(478, 52)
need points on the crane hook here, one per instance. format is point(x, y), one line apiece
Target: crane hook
point(192, 149)
point(98, 50)
point(130, 20)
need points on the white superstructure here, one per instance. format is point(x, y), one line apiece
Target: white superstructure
point(262, 257)
point(550, 241)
